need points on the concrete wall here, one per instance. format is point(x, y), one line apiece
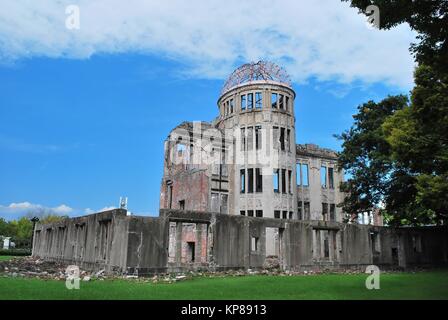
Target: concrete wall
point(187, 240)
point(147, 249)
point(95, 241)
point(424, 246)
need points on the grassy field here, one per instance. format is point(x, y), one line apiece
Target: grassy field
point(4, 258)
point(423, 285)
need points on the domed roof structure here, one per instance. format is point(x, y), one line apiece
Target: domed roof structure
point(257, 71)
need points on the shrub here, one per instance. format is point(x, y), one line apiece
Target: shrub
point(15, 252)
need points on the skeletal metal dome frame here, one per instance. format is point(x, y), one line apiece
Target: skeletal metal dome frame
point(256, 71)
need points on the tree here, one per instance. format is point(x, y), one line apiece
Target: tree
point(401, 158)
point(418, 136)
point(51, 218)
point(366, 156)
point(24, 229)
point(5, 228)
point(397, 154)
point(45, 215)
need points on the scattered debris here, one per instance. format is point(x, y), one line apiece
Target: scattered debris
point(271, 263)
point(37, 268)
point(43, 269)
point(100, 273)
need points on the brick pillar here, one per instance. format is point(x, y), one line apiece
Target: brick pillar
point(178, 242)
point(198, 243)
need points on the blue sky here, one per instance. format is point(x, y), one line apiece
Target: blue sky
point(83, 119)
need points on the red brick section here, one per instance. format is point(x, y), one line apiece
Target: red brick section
point(191, 187)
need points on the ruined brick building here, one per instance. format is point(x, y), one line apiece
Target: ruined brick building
point(236, 192)
point(246, 161)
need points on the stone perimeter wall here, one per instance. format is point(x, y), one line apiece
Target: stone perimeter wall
point(178, 241)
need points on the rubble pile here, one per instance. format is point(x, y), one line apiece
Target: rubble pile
point(271, 263)
point(43, 269)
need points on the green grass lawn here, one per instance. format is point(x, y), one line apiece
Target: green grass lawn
point(424, 285)
point(4, 258)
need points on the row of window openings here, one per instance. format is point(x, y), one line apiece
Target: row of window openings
point(182, 148)
point(302, 174)
point(259, 214)
point(250, 213)
point(326, 176)
point(284, 214)
point(250, 101)
point(302, 171)
point(281, 178)
point(289, 215)
point(328, 211)
point(305, 215)
point(281, 138)
point(252, 180)
point(216, 168)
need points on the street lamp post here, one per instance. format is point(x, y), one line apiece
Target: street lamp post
point(34, 220)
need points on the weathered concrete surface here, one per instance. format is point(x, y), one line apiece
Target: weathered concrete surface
point(147, 244)
point(141, 245)
point(95, 241)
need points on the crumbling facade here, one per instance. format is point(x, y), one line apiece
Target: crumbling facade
point(239, 193)
point(246, 162)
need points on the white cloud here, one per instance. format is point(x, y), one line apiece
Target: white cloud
point(107, 208)
point(63, 209)
point(21, 206)
point(89, 211)
point(17, 210)
point(324, 39)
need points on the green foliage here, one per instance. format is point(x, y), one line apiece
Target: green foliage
point(398, 155)
point(366, 155)
point(419, 134)
point(432, 194)
point(5, 228)
point(14, 253)
point(5, 258)
point(22, 229)
point(51, 218)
